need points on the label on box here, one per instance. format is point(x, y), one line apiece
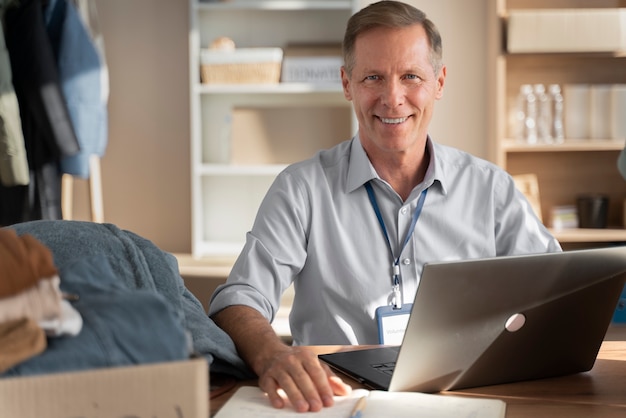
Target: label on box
point(311, 70)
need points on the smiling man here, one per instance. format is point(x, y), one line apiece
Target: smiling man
point(353, 226)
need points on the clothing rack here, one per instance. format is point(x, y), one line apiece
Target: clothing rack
point(95, 192)
point(58, 113)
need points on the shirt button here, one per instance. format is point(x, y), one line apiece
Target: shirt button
point(406, 261)
point(403, 210)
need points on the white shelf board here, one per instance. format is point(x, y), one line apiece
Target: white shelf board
point(276, 5)
point(239, 170)
point(512, 145)
point(219, 249)
point(278, 88)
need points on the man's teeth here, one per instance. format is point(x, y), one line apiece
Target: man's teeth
point(394, 120)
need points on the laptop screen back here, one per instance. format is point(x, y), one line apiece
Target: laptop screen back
point(499, 320)
point(505, 319)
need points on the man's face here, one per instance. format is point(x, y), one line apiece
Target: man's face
point(393, 88)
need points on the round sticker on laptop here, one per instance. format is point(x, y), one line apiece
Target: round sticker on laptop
point(515, 322)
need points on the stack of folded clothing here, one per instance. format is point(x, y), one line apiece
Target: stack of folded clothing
point(101, 297)
point(77, 316)
point(31, 303)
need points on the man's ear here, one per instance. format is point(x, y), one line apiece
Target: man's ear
point(441, 81)
point(345, 82)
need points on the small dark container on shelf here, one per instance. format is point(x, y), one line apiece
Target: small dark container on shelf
point(592, 211)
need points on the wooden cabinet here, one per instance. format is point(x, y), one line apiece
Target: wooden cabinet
point(243, 135)
point(571, 168)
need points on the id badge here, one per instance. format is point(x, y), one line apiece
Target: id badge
point(392, 323)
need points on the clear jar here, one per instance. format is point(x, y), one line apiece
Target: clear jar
point(527, 114)
point(544, 114)
point(556, 105)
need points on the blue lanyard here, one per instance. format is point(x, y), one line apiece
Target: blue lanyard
point(395, 277)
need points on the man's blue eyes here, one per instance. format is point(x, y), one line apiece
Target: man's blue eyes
point(406, 77)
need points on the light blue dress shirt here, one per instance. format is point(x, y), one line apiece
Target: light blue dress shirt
point(316, 228)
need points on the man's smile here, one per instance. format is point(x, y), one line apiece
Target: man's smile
point(393, 120)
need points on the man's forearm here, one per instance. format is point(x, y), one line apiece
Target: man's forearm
point(254, 337)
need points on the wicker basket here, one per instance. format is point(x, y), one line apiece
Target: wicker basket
point(241, 66)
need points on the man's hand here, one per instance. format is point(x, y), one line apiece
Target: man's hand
point(308, 383)
point(295, 371)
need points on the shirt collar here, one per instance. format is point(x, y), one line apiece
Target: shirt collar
point(360, 169)
point(435, 174)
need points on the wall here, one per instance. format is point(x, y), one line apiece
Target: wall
point(460, 119)
point(146, 169)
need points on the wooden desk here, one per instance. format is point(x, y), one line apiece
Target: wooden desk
point(599, 393)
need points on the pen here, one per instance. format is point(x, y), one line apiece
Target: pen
point(357, 412)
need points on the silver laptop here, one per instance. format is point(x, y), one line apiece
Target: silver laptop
point(498, 320)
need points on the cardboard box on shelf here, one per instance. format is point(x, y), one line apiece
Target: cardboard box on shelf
point(263, 135)
point(178, 389)
point(312, 63)
point(567, 30)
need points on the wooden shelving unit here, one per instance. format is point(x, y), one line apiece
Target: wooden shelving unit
point(575, 167)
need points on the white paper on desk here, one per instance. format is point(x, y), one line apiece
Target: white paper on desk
point(250, 401)
point(412, 404)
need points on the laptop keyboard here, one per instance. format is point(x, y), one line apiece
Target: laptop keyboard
point(386, 368)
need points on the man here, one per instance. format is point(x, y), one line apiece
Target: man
point(353, 226)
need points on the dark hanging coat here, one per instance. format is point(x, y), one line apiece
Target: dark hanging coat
point(48, 131)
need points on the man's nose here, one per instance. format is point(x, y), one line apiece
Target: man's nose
point(393, 93)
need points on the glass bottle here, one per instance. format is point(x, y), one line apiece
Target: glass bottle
point(556, 102)
point(521, 109)
point(544, 114)
point(529, 133)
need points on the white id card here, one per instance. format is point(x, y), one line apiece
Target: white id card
point(392, 323)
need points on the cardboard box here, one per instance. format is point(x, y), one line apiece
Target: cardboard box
point(567, 30)
point(265, 135)
point(312, 63)
point(164, 390)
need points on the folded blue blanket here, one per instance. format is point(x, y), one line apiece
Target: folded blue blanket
point(138, 264)
point(121, 326)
